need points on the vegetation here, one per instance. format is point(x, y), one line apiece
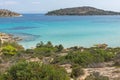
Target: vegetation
point(9, 50)
point(47, 49)
point(87, 57)
point(14, 44)
point(117, 60)
point(59, 48)
point(34, 71)
point(82, 11)
point(44, 61)
point(77, 71)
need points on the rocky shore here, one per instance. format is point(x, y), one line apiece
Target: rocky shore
point(8, 38)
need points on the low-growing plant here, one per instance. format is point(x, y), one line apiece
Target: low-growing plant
point(117, 60)
point(77, 71)
point(9, 50)
point(34, 71)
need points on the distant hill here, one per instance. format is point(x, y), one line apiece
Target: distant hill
point(8, 13)
point(82, 11)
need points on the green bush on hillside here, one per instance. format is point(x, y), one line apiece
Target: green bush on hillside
point(47, 49)
point(77, 71)
point(34, 71)
point(90, 56)
point(117, 60)
point(59, 48)
point(83, 58)
point(14, 44)
point(105, 54)
point(9, 50)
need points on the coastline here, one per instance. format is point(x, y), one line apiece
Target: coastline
point(7, 37)
point(4, 37)
point(69, 31)
point(10, 16)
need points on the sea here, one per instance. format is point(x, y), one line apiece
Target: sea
point(69, 31)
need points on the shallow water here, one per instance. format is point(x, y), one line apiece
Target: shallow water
point(67, 30)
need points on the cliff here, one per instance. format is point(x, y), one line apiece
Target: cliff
point(82, 11)
point(8, 13)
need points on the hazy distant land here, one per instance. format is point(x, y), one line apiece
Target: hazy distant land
point(82, 11)
point(8, 13)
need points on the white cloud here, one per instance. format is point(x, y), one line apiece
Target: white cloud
point(36, 2)
point(8, 3)
point(11, 3)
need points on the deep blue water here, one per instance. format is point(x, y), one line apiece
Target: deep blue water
point(67, 30)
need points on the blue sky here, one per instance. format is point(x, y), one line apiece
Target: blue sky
point(42, 6)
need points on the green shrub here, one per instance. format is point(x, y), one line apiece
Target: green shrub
point(77, 71)
point(45, 49)
point(60, 60)
point(35, 71)
point(41, 44)
point(81, 58)
point(59, 48)
point(9, 50)
point(29, 51)
point(14, 44)
point(105, 54)
point(89, 57)
point(117, 60)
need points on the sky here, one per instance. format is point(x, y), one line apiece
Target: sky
point(43, 6)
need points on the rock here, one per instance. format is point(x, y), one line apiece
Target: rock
point(8, 38)
point(8, 13)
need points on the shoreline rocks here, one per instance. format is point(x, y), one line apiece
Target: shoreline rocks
point(8, 38)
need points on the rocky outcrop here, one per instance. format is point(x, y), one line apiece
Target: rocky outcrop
point(8, 38)
point(8, 13)
point(82, 11)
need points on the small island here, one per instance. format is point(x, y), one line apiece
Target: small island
point(8, 13)
point(82, 11)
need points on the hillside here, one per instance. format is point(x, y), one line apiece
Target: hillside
point(99, 62)
point(82, 11)
point(8, 13)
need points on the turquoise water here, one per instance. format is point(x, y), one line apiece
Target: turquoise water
point(67, 30)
